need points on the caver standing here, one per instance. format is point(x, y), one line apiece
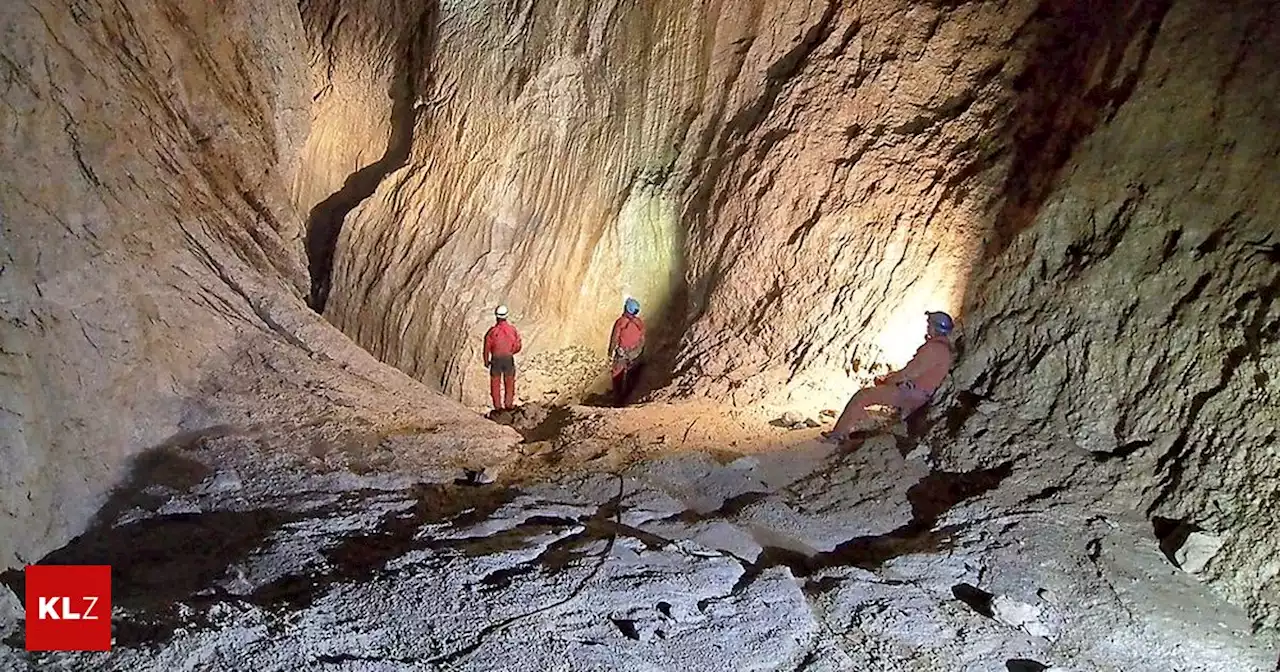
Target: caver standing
point(501, 345)
point(626, 346)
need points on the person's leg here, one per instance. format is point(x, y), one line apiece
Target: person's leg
point(855, 412)
point(618, 377)
point(495, 389)
point(633, 378)
point(910, 401)
point(509, 378)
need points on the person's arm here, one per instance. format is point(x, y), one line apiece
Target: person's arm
point(642, 333)
point(488, 346)
point(613, 338)
point(518, 345)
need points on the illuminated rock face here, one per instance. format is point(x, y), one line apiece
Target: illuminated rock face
point(766, 178)
point(543, 174)
point(151, 263)
point(786, 186)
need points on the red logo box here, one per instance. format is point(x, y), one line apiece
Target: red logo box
point(68, 607)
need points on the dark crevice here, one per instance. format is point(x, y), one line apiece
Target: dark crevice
point(1123, 451)
point(978, 599)
point(324, 224)
point(930, 499)
point(1213, 241)
point(1268, 251)
point(730, 508)
point(626, 627)
point(1170, 245)
point(1172, 534)
point(966, 404)
point(1192, 295)
point(1044, 494)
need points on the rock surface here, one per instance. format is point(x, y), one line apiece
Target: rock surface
point(1090, 185)
point(151, 275)
point(622, 146)
point(671, 565)
point(1129, 338)
point(1196, 552)
point(787, 186)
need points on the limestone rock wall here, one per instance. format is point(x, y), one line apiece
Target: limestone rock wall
point(151, 273)
point(788, 186)
point(544, 173)
point(566, 155)
point(1127, 341)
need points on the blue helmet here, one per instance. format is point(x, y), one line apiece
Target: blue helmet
point(941, 323)
point(632, 307)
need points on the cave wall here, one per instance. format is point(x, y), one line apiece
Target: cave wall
point(761, 174)
point(544, 174)
point(1083, 183)
point(1126, 340)
point(885, 163)
point(152, 276)
point(786, 186)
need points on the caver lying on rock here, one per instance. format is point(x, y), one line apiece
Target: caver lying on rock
point(907, 390)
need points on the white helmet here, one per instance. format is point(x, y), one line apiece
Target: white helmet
point(500, 312)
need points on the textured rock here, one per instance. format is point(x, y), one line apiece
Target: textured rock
point(821, 173)
point(326, 568)
point(1196, 552)
point(786, 186)
point(152, 275)
point(1129, 335)
point(725, 145)
point(10, 611)
point(1021, 615)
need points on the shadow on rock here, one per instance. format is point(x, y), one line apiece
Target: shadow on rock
point(535, 422)
point(168, 570)
point(978, 599)
point(930, 498)
point(361, 557)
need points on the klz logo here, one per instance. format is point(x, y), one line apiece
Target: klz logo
point(68, 607)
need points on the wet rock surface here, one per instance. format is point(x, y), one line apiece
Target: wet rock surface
point(823, 558)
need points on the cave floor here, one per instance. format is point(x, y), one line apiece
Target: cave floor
point(632, 549)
